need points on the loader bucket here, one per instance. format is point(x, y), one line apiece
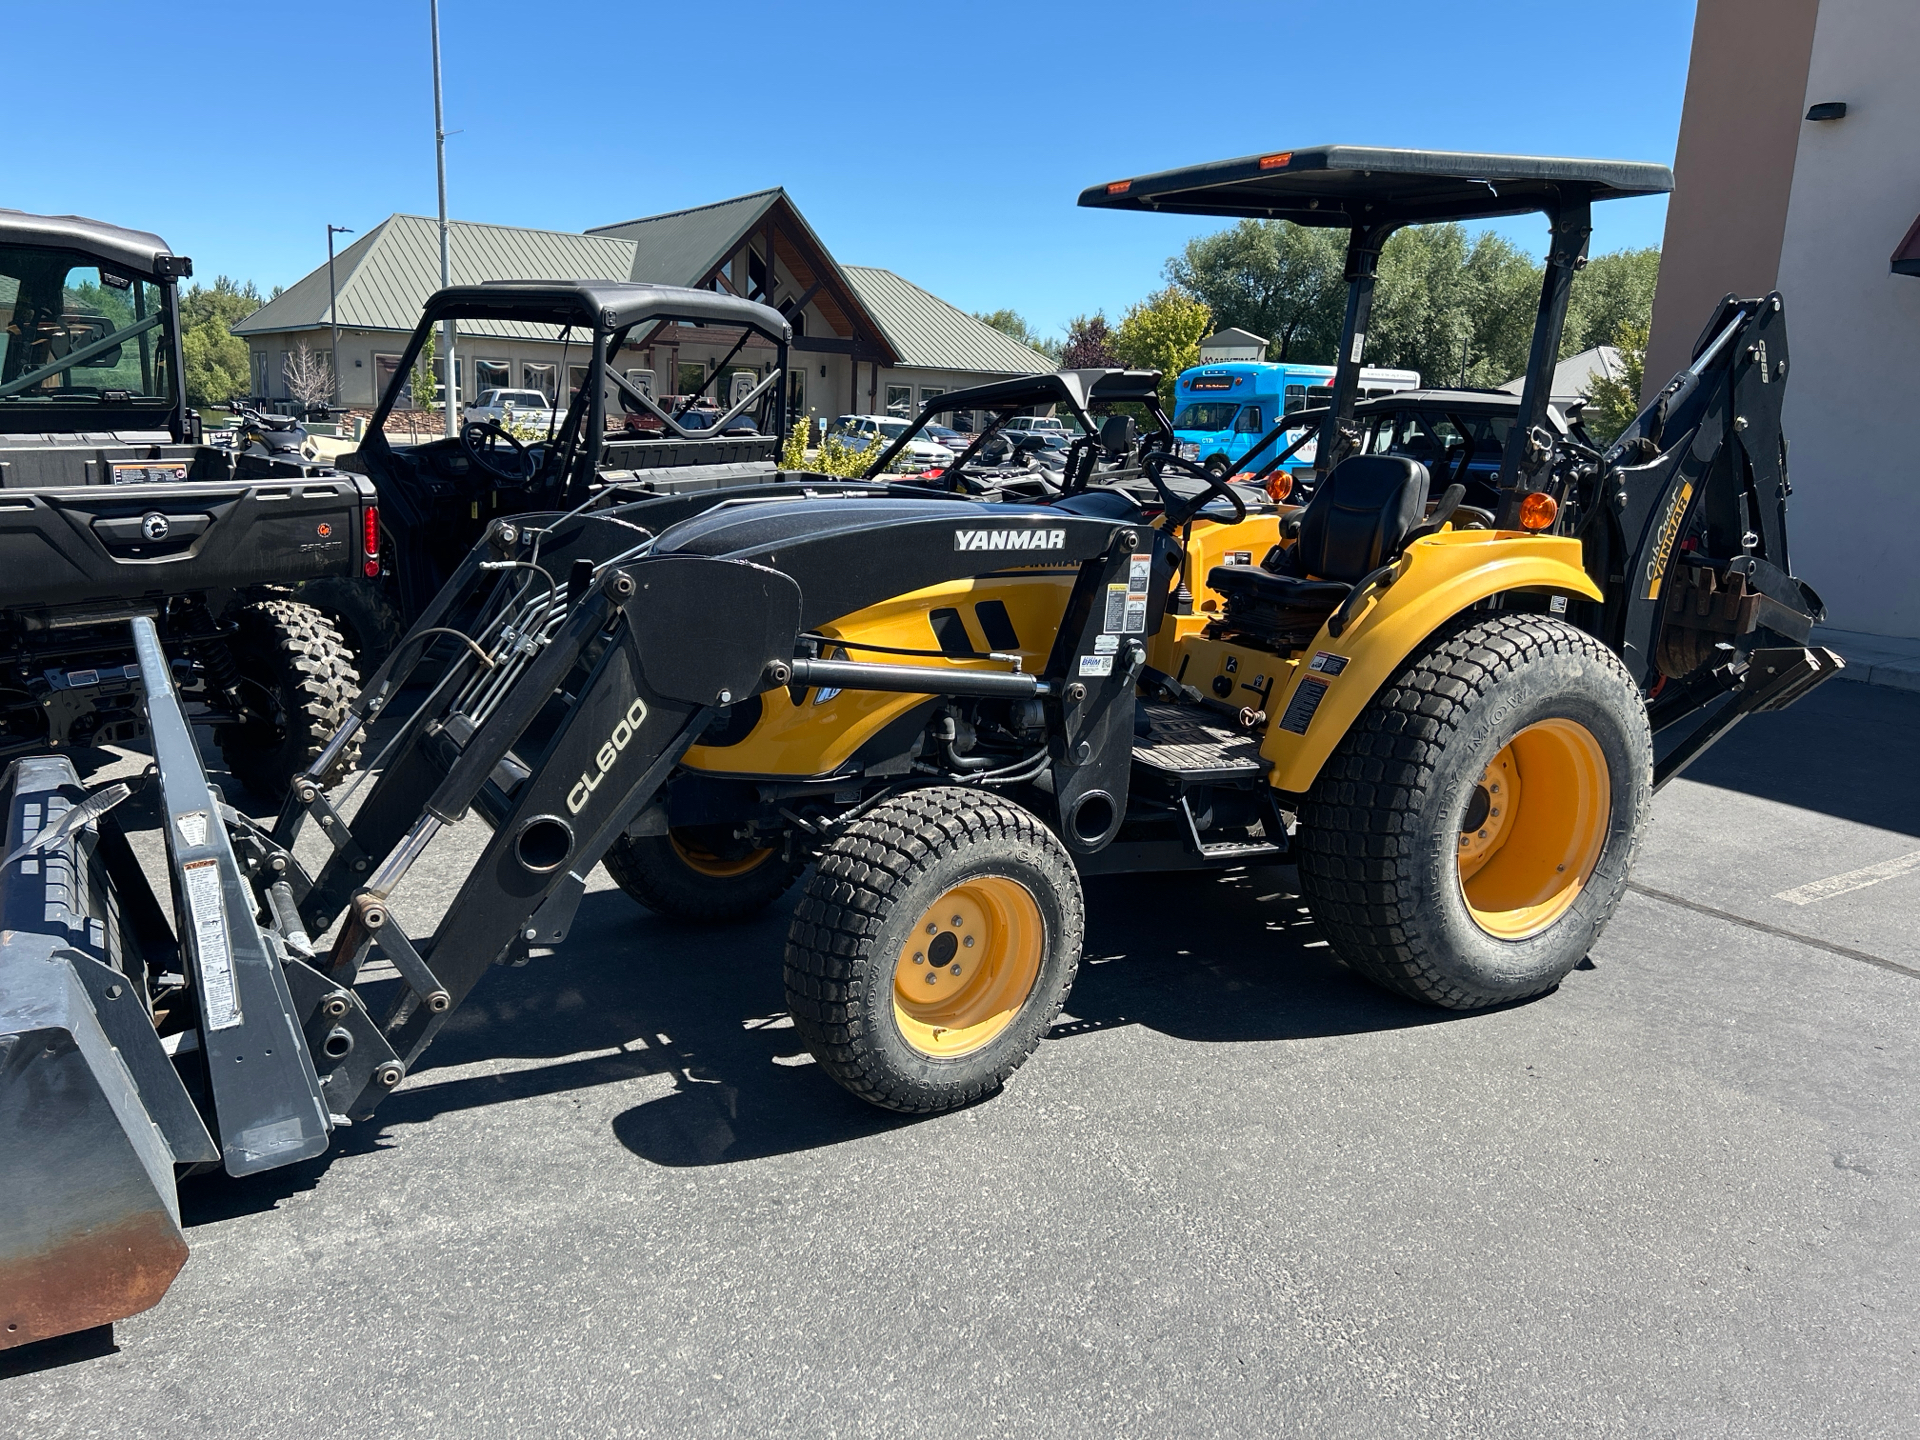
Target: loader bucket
point(89, 1218)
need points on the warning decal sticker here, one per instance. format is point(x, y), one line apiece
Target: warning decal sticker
point(211, 950)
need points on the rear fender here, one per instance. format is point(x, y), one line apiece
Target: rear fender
point(1439, 577)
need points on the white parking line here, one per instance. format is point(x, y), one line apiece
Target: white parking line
point(1852, 880)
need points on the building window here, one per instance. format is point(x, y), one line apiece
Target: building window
point(385, 367)
point(796, 392)
point(459, 374)
point(576, 377)
point(538, 377)
point(900, 401)
point(691, 375)
point(931, 392)
point(492, 374)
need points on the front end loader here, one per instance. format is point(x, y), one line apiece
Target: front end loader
point(944, 701)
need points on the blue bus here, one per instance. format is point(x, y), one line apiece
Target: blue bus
point(1221, 411)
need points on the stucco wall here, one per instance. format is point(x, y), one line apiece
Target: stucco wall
point(1854, 327)
point(1733, 168)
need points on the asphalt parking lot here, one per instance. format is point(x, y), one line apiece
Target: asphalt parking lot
point(1239, 1192)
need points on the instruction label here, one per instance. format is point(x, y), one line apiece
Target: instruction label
point(1127, 604)
point(214, 954)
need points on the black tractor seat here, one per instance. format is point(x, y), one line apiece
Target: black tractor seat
point(1357, 521)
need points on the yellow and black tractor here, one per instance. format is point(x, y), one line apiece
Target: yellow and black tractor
point(944, 699)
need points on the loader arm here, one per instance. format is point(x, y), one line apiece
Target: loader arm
point(588, 651)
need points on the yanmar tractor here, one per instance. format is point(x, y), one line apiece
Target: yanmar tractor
point(948, 705)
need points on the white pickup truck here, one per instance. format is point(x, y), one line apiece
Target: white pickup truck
point(528, 408)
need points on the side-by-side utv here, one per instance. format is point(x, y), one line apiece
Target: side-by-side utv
point(439, 497)
point(946, 702)
point(111, 506)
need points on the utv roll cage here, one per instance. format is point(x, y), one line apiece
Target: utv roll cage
point(1370, 193)
point(1079, 392)
point(605, 313)
point(138, 254)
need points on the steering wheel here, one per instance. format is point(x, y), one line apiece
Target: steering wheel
point(1179, 511)
point(480, 440)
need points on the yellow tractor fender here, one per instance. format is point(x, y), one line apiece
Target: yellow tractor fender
point(1438, 577)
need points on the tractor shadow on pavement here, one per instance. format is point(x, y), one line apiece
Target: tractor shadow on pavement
point(1206, 957)
point(1845, 751)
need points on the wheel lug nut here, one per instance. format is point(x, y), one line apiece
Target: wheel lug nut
point(1483, 834)
point(956, 922)
point(932, 929)
point(933, 977)
point(919, 957)
point(956, 969)
point(968, 942)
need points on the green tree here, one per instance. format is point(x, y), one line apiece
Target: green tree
point(1274, 278)
point(216, 359)
point(424, 377)
point(1014, 326)
point(1615, 289)
point(1613, 401)
point(1163, 332)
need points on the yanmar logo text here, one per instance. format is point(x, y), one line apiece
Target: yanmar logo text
point(1009, 539)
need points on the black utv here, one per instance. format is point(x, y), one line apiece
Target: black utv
point(111, 507)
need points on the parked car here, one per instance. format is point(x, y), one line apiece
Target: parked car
point(1039, 425)
point(861, 432)
point(528, 407)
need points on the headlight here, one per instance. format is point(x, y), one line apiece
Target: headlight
point(1189, 450)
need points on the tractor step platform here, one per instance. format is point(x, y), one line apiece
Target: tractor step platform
point(1184, 748)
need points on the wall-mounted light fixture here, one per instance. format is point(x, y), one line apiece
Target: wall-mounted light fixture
point(823, 372)
point(1828, 110)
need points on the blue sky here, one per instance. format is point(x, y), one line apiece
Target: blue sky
point(944, 142)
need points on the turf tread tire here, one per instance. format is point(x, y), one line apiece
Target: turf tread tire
point(651, 873)
point(842, 939)
point(1361, 827)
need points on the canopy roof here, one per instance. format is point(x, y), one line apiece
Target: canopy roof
point(1076, 388)
point(1345, 185)
point(135, 250)
point(609, 304)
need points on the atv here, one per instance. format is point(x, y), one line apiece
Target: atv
point(944, 701)
point(115, 509)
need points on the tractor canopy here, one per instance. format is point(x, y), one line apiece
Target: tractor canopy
point(1372, 192)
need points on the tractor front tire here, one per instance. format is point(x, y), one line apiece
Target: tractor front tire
point(700, 874)
point(934, 946)
point(1468, 839)
point(298, 678)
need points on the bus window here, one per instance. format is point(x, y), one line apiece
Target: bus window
point(1296, 398)
point(1249, 422)
point(1205, 415)
point(1319, 395)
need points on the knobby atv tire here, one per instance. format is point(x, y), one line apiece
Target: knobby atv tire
point(293, 663)
point(869, 890)
point(361, 611)
point(654, 873)
point(1380, 833)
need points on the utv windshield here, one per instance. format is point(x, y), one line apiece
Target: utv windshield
point(75, 334)
point(1205, 415)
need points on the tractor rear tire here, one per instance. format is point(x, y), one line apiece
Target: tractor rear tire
point(1467, 841)
point(934, 946)
point(692, 874)
point(297, 671)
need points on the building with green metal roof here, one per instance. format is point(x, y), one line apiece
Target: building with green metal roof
point(865, 340)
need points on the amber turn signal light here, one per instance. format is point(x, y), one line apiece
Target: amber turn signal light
point(1537, 511)
point(1279, 486)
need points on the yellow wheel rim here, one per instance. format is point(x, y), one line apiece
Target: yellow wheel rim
point(968, 966)
point(1535, 828)
point(700, 859)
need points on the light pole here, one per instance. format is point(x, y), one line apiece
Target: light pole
point(450, 373)
point(333, 306)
